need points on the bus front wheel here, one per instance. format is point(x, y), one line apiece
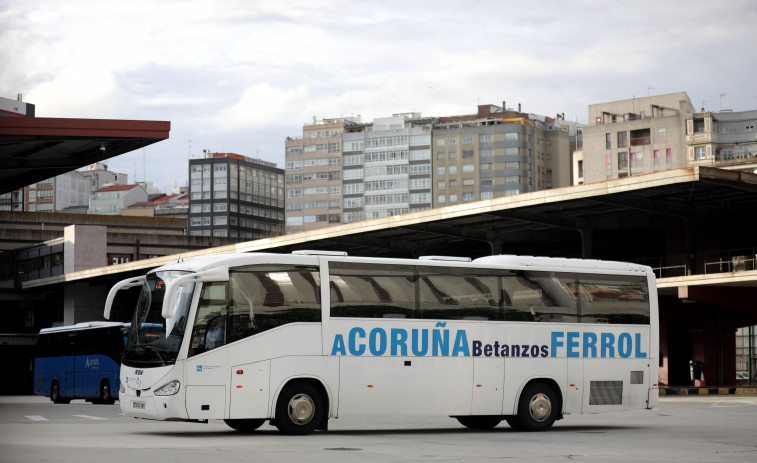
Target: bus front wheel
point(538, 408)
point(105, 395)
point(299, 409)
point(55, 394)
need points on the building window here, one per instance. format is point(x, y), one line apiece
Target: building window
point(469, 182)
point(440, 185)
point(622, 161)
point(440, 142)
point(453, 155)
point(607, 141)
point(656, 157)
point(598, 121)
point(658, 136)
point(700, 152)
point(452, 170)
point(469, 196)
point(468, 140)
point(485, 138)
point(453, 198)
point(608, 165)
point(485, 153)
point(467, 153)
point(440, 170)
point(668, 156)
point(749, 128)
point(441, 199)
point(468, 168)
point(622, 139)
point(637, 159)
point(440, 156)
point(487, 195)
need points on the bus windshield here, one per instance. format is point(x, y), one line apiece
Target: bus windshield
point(154, 341)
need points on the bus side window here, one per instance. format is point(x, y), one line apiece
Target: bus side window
point(459, 294)
point(267, 296)
point(373, 291)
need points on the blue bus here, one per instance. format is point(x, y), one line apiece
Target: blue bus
point(80, 361)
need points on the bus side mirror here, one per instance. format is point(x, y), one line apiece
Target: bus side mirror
point(214, 274)
point(124, 284)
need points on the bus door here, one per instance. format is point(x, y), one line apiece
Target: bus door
point(68, 386)
point(206, 366)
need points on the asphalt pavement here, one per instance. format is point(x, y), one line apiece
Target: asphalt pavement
point(683, 429)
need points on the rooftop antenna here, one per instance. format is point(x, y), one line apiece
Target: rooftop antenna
point(703, 102)
point(189, 149)
point(721, 100)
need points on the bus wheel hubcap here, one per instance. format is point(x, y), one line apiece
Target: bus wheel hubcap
point(540, 407)
point(301, 409)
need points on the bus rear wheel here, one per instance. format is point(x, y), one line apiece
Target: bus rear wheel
point(55, 394)
point(299, 409)
point(247, 425)
point(538, 408)
point(479, 422)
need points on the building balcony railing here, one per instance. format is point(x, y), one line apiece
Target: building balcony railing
point(640, 141)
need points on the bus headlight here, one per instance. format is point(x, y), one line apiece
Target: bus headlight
point(169, 389)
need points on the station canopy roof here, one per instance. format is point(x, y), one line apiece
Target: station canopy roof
point(37, 148)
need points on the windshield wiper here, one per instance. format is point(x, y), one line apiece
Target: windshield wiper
point(152, 349)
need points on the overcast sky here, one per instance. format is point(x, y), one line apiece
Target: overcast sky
point(240, 76)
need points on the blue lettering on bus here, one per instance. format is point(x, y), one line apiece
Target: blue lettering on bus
point(443, 342)
point(574, 344)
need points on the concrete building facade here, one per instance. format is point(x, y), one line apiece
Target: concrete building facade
point(387, 167)
point(110, 200)
point(725, 139)
point(54, 194)
point(314, 175)
point(235, 196)
point(498, 152)
point(636, 136)
point(99, 176)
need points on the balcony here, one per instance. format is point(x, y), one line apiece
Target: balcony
point(640, 141)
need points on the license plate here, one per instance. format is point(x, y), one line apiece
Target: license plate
point(140, 405)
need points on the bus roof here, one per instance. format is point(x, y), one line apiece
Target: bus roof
point(200, 263)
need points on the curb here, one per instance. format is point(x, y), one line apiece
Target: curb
point(751, 390)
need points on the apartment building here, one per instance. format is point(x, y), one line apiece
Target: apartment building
point(387, 167)
point(725, 139)
point(498, 152)
point(314, 175)
point(99, 176)
point(57, 193)
point(235, 196)
point(111, 200)
point(636, 136)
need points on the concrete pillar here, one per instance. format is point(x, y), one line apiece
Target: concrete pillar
point(84, 247)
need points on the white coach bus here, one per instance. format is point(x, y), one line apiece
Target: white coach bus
point(300, 338)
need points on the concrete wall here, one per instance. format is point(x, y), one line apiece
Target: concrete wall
point(84, 247)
